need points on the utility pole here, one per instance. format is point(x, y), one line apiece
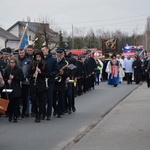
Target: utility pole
point(72, 38)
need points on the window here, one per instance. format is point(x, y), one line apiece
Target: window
point(29, 37)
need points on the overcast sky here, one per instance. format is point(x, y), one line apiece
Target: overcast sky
point(124, 15)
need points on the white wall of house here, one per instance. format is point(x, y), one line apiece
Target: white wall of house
point(2, 43)
point(31, 36)
point(12, 44)
point(15, 30)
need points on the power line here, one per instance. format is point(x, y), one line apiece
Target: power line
point(105, 19)
point(101, 25)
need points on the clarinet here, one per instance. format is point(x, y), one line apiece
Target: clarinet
point(37, 65)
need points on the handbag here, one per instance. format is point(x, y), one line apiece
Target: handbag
point(4, 103)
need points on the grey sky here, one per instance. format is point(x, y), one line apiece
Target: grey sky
point(126, 15)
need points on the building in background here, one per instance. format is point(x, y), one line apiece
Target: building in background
point(8, 40)
point(51, 37)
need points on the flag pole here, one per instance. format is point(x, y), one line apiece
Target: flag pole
point(24, 31)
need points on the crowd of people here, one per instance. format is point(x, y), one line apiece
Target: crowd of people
point(45, 83)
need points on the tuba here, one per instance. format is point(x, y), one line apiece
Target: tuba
point(58, 77)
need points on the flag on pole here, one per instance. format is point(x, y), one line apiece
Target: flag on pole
point(24, 42)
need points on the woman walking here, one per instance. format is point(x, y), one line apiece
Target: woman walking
point(13, 75)
point(37, 75)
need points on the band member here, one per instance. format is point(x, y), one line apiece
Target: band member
point(60, 83)
point(70, 86)
point(6, 56)
point(53, 71)
point(13, 75)
point(24, 63)
point(38, 72)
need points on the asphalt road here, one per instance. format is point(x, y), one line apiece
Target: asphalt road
point(57, 133)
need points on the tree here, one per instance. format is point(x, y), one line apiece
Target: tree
point(61, 43)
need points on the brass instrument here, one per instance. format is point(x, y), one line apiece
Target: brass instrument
point(72, 81)
point(58, 77)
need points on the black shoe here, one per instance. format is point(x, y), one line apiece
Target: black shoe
point(15, 120)
point(69, 111)
point(32, 114)
point(22, 115)
point(59, 116)
point(54, 114)
point(43, 117)
point(27, 115)
point(48, 118)
point(74, 109)
point(37, 120)
point(10, 119)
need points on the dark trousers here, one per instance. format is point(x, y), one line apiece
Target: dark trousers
point(137, 79)
point(25, 92)
point(79, 86)
point(13, 107)
point(129, 78)
point(38, 103)
point(68, 97)
point(58, 102)
point(49, 100)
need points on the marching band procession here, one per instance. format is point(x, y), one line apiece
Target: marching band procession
point(44, 83)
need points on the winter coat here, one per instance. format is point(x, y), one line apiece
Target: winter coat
point(24, 64)
point(60, 86)
point(52, 66)
point(137, 67)
point(15, 85)
point(38, 84)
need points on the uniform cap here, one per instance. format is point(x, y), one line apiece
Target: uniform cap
point(6, 50)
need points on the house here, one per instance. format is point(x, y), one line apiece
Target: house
point(8, 40)
point(34, 28)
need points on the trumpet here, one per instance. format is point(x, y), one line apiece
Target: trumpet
point(58, 77)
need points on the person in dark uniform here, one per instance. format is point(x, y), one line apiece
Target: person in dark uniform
point(92, 67)
point(137, 69)
point(13, 75)
point(88, 79)
point(70, 88)
point(53, 71)
point(3, 63)
point(38, 72)
point(6, 56)
point(60, 83)
point(81, 75)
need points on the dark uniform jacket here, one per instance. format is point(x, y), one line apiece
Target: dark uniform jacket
point(137, 67)
point(3, 64)
point(38, 84)
point(15, 85)
point(60, 86)
point(52, 66)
